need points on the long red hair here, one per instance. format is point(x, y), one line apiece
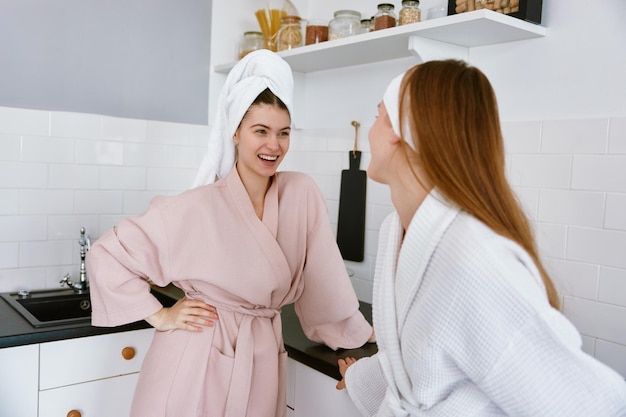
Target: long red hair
point(453, 117)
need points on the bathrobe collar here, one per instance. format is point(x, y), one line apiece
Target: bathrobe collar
point(400, 268)
point(244, 204)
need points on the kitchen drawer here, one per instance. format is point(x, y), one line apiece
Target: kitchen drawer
point(316, 395)
point(74, 361)
point(18, 383)
point(103, 398)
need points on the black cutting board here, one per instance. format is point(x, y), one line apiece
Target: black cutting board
point(351, 221)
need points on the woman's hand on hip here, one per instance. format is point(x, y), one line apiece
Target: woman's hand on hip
point(186, 314)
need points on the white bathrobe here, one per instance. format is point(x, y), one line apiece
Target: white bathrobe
point(464, 328)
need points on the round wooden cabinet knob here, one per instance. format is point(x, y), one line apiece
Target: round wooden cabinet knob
point(127, 353)
point(74, 413)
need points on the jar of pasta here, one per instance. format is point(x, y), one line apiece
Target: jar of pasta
point(289, 35)
point(385, 17)
point(344, 23)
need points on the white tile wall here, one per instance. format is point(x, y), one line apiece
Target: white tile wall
point(570, 177)
point(63, 171)
point(617, 136)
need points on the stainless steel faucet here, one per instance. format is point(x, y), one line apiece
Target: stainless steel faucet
point(85, 245)
point(82, 285)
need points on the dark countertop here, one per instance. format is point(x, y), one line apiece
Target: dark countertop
point(17, 331)
point(316, 355)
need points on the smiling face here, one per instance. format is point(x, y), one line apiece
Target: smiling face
point(262, 141)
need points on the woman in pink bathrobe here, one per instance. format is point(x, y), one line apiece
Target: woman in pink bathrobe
point(240, 248)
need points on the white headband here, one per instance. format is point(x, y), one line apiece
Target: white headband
point(249, 77)
point(391, 99)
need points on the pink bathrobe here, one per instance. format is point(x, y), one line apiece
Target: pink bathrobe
point(209, 242)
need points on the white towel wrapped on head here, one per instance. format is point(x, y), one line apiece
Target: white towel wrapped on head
point(249, 77)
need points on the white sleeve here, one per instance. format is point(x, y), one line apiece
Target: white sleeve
point(540, 375)
point(366, 385)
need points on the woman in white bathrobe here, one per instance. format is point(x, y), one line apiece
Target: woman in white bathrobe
point(466, 317)
point(240, 248)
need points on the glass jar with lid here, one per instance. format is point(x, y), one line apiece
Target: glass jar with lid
point(316, 31)
point(289, 35)
point(365, 26)
point(251, 41)
point(385, 17)
point(410, 12)
point(344, 23)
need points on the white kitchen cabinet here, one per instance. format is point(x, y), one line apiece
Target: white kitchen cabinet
point(94, 375)
point(102, 398)
point(18, 383)
point(316, 395)
point(73, 361)
point(291, 386)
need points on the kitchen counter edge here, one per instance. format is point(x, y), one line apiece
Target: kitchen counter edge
point(17, 331)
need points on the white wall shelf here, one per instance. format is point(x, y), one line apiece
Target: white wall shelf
point(461, 31)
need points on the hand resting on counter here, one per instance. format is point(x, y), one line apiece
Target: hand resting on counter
point(345, 363)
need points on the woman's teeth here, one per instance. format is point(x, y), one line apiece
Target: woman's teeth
point(268, 157)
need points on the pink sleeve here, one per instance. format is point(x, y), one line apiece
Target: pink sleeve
point(328, 308)
point(119, 265)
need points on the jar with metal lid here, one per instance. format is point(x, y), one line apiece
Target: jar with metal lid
point(251, 41)
point(316, 31)
point(410, 12)
point(385, 17)
point(365, 26)
point(344, 23)
point(289, 35)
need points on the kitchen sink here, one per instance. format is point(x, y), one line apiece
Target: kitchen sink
point(59, 307)
point(51, 307)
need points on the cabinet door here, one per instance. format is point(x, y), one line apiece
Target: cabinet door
point(18, 383)
point(85, 359)
point(316, 395)
point(291, 383)
point(109, 397)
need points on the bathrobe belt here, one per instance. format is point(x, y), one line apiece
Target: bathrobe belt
point(237, 402)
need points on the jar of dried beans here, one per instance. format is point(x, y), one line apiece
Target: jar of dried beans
point(316, 31)
point(289, 35)
point(385, 17)
point(410, 12)
point(344, 23)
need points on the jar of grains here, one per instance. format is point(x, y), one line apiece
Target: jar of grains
point(385, 17)
point(316, 31)
point(344, 23)
point(365, 26)
point(289, 35)
point(251, 41)
point(410, 12)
